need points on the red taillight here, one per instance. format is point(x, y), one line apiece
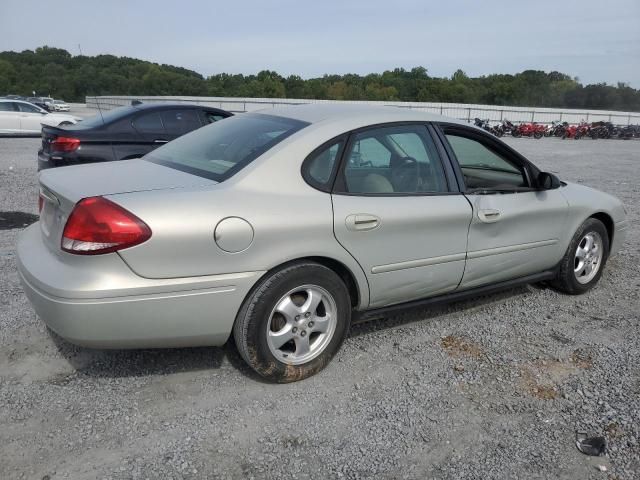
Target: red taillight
point(97, 225)
point(40, 202)
point(65, 144)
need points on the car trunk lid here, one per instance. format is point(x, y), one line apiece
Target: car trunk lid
point(62, 188)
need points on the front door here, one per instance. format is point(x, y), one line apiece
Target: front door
point(30, 117)
point(515, 228)
point(399, 215)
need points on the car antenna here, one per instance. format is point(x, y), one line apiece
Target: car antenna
point(99, 109)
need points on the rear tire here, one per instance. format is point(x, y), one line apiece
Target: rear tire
point(583, 263)
point(293, 322)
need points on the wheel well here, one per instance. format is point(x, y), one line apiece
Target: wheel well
point(338, 267)
point(607, 221)
point(344, 273)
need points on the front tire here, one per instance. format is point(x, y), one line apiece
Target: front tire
point(293, 322)
point(583, 263)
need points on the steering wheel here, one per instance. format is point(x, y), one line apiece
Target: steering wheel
point(404, 174)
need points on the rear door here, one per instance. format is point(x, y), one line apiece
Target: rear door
point(150, 134)
point(399, 213)
point(515, 228)
point(9, 118)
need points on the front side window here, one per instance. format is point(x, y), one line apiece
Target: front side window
point(219, 150)
point(484, 169)
point(179, 122)
point(148, 123)
point(211, 117)
point(393, 160)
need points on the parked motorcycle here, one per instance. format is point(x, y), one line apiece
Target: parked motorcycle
point(484, 124)
point(529, 130)
point(600, 130)
point(556, 129)
point(628, 132)
point(576, 131)
point(582, 131)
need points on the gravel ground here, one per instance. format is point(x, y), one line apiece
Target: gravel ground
point(491, 388)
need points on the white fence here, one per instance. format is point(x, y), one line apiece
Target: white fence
point(455, 110)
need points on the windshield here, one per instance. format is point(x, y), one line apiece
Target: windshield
point(221, 149)
point(58, 101)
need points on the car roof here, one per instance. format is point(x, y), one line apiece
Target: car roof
point(14, 100)
point(371, 114)
point(162, 105)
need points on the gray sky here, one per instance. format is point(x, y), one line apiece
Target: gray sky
point(594, 40)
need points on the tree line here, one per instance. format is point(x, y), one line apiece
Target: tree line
point(55, 72)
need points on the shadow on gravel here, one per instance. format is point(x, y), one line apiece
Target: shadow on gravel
point(419, 314)
point(10, 220)
point(146, 362)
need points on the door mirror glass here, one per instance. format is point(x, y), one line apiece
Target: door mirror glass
point(548, 181)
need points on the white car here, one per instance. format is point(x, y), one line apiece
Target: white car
point(21, 118)
point(60, 106)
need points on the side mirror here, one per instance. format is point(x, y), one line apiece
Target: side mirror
point(547, 181)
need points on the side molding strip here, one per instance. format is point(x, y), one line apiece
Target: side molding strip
point(423, 262)
point(511, 248)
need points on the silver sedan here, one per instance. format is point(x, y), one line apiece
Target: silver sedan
point(281, 228)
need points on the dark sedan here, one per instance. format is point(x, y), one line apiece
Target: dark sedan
point(122, 134)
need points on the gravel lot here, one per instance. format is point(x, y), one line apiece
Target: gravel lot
point(491, 388)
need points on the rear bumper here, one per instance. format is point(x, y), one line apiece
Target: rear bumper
point(51, 161)
point(100, 302)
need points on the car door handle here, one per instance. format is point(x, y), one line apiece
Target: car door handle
point(489, 215)
point(362, 222)
point(160, 140)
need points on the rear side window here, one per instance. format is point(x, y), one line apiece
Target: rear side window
point(103, 117)
point(393, 160)
point(319, 166)
point(148, 123)
point(6, 107)
point(219, 150)
point(179, 122)
point(25, 107)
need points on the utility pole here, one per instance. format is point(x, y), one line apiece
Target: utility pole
point(80, 48)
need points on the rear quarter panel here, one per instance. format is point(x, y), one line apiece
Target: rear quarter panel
point(290, 220)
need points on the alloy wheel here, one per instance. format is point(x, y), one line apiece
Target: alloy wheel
point(302, 324)
point(588, 257)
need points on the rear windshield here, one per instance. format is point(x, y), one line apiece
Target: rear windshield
point(221, 149)
point(106, 116)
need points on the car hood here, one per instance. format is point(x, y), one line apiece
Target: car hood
point(77, 182)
